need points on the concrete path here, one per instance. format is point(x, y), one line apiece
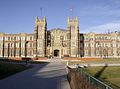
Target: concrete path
point(45, 76)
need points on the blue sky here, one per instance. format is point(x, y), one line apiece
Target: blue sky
point(94, 15)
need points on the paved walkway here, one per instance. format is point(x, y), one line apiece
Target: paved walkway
point(45, 76)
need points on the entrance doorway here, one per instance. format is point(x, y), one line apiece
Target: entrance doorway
point(56, 53)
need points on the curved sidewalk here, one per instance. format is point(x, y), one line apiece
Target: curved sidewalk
point(44, 76)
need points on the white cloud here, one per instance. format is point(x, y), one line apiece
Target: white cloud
point(103, 28)
point(110, 8)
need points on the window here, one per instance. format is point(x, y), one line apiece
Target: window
point(22, 44)
point(97, 52)
point(96, 38)
point(30, 45)
point(81, 38)
point(118, 44)
point(72, 44)
point(22, 38)
point(1, 38)
point(17, 52)
point(113, 38)
point(91, 38)
point(97, 45)
point(6, 45)
point(11, 38)
point(17, 45)
point(57, 37)
point(102, 38)
point(106, 38)
point(99, 38)
point(64, 38)
point(15, 38)
point(86, 45)
point(114, 45)
point(81, 45)
point(49, 37)
point(31, 38)
point(73, 51)
point(18, 38)
point(91, 45)
point(86, 52)
point(22, 52)
point(86, 38)
point(6, 38)
point(72, 29)
point(73, 37)
point(40, 27)
point(12, 45)
point(108, 45)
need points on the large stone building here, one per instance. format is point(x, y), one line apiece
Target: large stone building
point(59, 42)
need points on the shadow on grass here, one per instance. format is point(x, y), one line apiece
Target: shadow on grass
point(7, 69)
point(99, 73)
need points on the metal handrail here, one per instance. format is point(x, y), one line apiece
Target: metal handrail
point(92, 80)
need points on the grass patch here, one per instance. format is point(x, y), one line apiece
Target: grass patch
point(110, 75)
point(20, 61)
point(7, 69)
point(106, 60)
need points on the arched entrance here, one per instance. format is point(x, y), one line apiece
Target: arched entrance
point(56, 53)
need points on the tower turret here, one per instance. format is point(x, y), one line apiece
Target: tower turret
point(40, 36)
point(73, 37)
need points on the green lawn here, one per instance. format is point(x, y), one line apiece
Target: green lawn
point(107, 60)
point(7, 69)
point(110, 75)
